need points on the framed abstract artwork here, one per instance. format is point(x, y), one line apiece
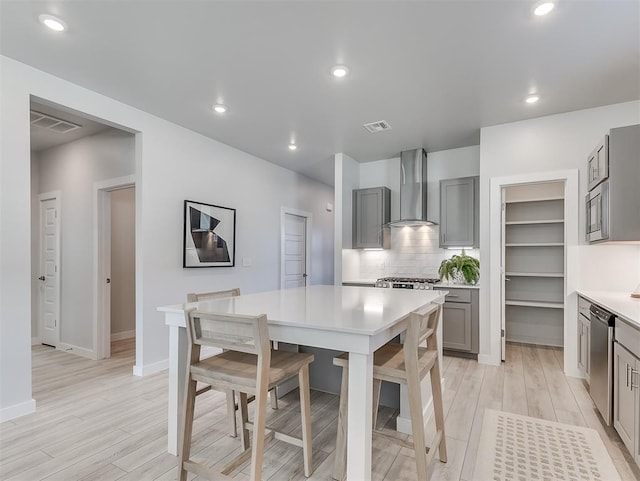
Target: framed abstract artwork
point(209, 235)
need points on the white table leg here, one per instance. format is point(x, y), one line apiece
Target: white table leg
point(177, 370)
point(359, 417)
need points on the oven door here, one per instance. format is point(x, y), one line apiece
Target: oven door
point(597, 205)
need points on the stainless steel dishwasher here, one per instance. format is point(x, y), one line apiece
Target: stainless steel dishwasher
point(601, 360)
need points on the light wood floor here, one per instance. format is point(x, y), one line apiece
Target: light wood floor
point(96, 421)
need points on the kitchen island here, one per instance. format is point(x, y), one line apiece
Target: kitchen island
point(353, 319)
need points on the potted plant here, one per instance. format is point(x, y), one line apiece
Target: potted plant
point(460, 268)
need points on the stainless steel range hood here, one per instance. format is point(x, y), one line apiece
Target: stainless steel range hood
point(413, 189)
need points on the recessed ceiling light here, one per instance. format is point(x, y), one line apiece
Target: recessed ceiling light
point(532, 99)
point(220, 108)
point(54, 23)
point(292, 146)
point(339, 71)
point(542, 8)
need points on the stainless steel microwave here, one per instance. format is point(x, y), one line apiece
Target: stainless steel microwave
point(597, 204)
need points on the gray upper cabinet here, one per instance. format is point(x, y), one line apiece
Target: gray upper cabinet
point(612, 212)
point(371, 211)
point(598, 164)
point(459, 212)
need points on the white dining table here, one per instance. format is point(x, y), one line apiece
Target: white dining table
point(357, 320)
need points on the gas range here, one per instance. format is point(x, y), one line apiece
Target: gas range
point(423, 283)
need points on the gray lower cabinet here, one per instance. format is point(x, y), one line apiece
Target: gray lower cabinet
point(584, 338)
point(459, 207)
point(460, 320)
point(371, 211)
point(626, 387)
point(584, 327)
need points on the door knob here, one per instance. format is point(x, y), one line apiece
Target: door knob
point(41, 278)
point(108, 281)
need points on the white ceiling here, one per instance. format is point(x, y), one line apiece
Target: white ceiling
point(437, 71)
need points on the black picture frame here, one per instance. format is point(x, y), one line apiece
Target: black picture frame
point(209, 235)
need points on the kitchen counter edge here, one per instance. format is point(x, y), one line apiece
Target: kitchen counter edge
point(619, 303)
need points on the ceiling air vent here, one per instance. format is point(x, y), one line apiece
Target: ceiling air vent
point(52, 123)
point(378, 126)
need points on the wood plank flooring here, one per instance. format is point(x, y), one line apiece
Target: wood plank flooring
point(96, 421)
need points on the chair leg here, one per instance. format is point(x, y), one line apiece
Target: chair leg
point(340, 462)
point(377, 384)
point(274, 399)
point(438, 411)
point(305, 411)
point(231, 413)
point(259, 424)
point(244, 418)
point(187, 426)
point(417, 422)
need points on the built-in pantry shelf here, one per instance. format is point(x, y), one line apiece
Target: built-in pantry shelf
point(539, 199)
point(536, 244)
point(535, 222)
point(535, 274)
point(549, 305)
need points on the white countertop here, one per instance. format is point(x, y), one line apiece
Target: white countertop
point(360, 281)
point(620, 303)
point(452, 285)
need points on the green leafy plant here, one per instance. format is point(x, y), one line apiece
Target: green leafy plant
point(462, 265)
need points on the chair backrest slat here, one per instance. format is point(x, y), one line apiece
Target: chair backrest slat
point(227, 331)
point(205, 296)
point(423, 324)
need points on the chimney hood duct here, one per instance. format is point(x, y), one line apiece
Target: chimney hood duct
point(413, 189)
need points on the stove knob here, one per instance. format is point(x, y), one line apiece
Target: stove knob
point(422, 286)
point(384, 284)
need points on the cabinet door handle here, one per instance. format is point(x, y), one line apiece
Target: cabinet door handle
point(627, 374)
point(452, 295)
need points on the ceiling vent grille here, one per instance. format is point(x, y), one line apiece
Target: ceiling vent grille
point(378, 126)
point(52, 123)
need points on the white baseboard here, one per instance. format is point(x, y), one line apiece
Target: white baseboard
point(575, 372)
point(35, 341)
point(403, 425)
point(78, 351)
point(17, 410)
point(119, 336)
point(142, 371)
point(487, 359)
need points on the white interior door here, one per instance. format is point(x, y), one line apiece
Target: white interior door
point(294, 272)
point(503, 277)
point(49, 292)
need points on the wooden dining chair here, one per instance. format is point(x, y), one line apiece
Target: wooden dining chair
point(247, 365)
point(232, 406)
point(406, 364)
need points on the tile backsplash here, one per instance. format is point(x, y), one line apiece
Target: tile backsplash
point(414, 253)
